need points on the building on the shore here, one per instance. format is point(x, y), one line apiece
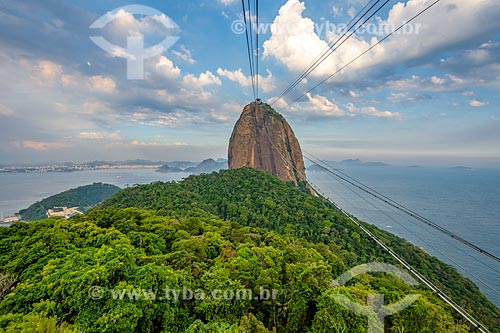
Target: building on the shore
point(65, 212)
point(5, 222)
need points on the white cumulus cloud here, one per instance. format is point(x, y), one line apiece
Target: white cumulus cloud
point(266, 83)
point(318, 106)
point(295, 43)
point(227, 2)
point(476, 103)
point(166, 68)
point(205, 79)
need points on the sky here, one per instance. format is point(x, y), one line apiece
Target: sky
point(428, 95)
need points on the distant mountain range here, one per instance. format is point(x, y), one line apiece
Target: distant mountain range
point(347, 163)
point(130, 162)
point(461, 168)
point(168, 169)
point(353, 163)
point(207, 166)
point(358, 162)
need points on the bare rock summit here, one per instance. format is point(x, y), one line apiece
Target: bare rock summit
point(263, 139)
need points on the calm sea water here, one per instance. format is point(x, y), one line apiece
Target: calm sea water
point(464, 201)
point(19, 190)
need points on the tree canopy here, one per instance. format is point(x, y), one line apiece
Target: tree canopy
point(119, 267)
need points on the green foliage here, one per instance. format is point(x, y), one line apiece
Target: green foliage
point(275, 282)
point(31, 324)
point(84, 197)
point(235, 231)
point(253, 198)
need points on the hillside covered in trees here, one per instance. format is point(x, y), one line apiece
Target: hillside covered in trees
point(234, 230)
point(84, 197)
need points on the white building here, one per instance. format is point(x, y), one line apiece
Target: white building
point(65, 212)
point(5, 222)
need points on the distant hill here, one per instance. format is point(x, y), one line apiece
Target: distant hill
point(315, 168)
point(181, 164)
point(172, 164)
point(127, 162)
point(461, 168)
point(346, 164)
point(168, 169)
point(358, 162)
point(84, 197)
point(207, 166)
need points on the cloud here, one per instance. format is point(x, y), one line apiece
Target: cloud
point(166, 68)
point(49, 70)
point(177, 117)
point(434, 83)
point(158, 144)
point(478, 65)
point(80, 111)
point(235, 76)
point(227, 2)
point(68, 80)
point(320, 107)
point(205, 79)
point(406, 97)
point(295, 44)
point(477, 104)
point(266, 83)
point(42, 146)
point(48, 73)
point(184, 54)
point(102, 84)
point(373, 111)
point(323, 106)
point(353, 94)
point(123, 24)
point(91, 135)
point(490, 45)
point(279, 103)
point(98, 135)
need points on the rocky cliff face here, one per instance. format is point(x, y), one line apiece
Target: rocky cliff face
point(263, 139)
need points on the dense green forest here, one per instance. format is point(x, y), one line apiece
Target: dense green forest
point(234, 230)
point(84, 197)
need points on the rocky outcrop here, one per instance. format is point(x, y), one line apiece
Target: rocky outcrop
point(263, 139)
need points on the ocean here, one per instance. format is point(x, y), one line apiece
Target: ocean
point(19, 190)
point(464, 201)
